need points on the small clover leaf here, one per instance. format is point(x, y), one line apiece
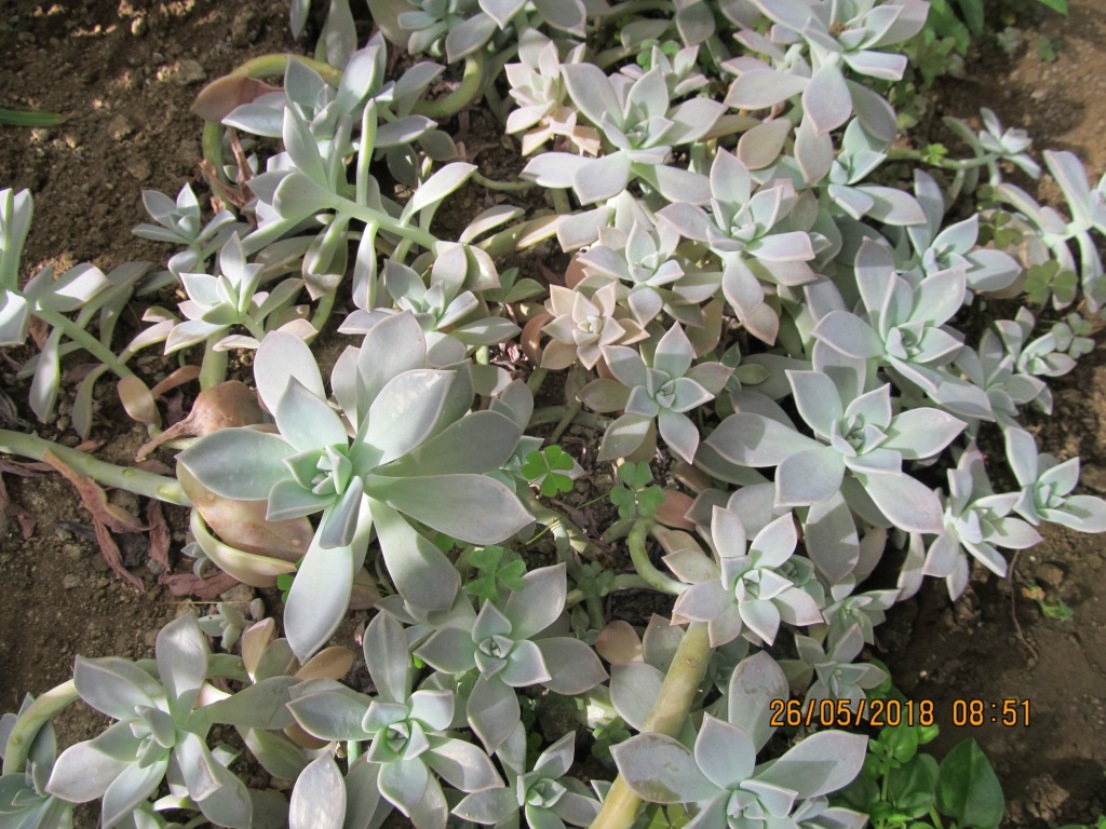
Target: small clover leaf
point(607, 735)
point(544, 468)
point(636, 499)
point(497, 567)
point(649, 501)
point(934, 154)
point(594, 581)
point(635, 475)
point(284, 582)
point(625, 501)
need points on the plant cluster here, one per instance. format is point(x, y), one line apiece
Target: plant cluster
point(758, 289)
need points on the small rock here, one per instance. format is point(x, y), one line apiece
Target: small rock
point(1094, 477)
point(190, 72)
point(70, 581)
point(99, 565)
point(188, 153)
point(139, 26)
point(154, 567)
point(182, 72)
point(245, 29)
point(119, 127)
point(139, 168)
point(242, 593)
point(1050, 575)
point(72, 551)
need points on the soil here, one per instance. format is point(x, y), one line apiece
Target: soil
point(127, 72)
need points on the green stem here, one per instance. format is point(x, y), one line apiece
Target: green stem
point(492, 184)
point(944, 163)
point(276, 63)
point(133, 480)
point(323, 310)
point(936, 818)
point(640, 556)
point(471, 81)
point(213, 369)
point(534, 381)
point(623, 581)
point(571, 412)
point(554, 414)
point(85, 340)
point(596, 617)
point(353, 751)
point(560, 202)
point(678, 692)
point(211, 145)
point(388, 224)
point(27, 726)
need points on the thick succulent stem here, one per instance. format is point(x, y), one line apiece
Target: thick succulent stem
point(492, 184)
point(678, 692)
point(27, 726)
point(570, 414)
point(471, 82)
point(554, 414)
point(623, 581)
point(640, 557)
point(213, 368)
point(133, 480)
point(388, 224)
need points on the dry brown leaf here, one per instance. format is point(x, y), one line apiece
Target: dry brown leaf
point(159, 534)
point(110, 551)
point(95, 500)
point(189, 584)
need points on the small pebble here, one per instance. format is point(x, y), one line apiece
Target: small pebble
point(1094, 477)
point(140, 168)
point(1050, 575)
point(242, 593)
point(70, 581)
point(119, 127)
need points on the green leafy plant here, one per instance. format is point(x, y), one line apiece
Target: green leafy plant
point(635, 498)
point(901, 787)
point(546, 470)
point(497, 568)
point(1051, 607)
